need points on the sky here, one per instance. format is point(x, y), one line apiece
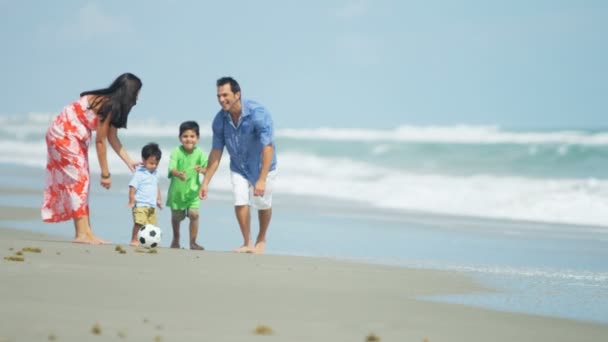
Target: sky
point(318, 63)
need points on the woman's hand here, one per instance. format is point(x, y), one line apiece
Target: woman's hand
point(132, 165)
point(106, 182)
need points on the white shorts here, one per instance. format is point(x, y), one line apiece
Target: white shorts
point(243, 191)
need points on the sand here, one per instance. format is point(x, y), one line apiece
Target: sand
point(71, 292)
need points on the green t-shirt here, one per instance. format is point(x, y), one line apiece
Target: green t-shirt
point(184, 194)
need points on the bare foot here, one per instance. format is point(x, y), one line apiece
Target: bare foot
point(134, 243)
point(84, 240)
point(243, 249)
point(259, 248)
point(174, 244)
point(99, 241)
point(195, 246)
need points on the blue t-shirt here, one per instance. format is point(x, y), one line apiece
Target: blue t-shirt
point(245, 141)
point(146, 187)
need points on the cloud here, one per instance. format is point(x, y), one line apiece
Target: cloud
point(359, 49)
point(353, 9)
point(91, 22)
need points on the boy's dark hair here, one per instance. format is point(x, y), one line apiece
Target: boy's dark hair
point(151, 149)
point(234, 85)
point(189, 125)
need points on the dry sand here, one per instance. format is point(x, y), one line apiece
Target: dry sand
point(71, 292)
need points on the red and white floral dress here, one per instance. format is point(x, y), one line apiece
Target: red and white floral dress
point(66, 194)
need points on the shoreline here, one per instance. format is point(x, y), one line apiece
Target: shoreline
point(227, 295)
point(71, 292)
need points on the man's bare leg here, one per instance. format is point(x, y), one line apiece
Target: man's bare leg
point(244, 220)
point(264, 217)
point(193, 215)
point(175, 225)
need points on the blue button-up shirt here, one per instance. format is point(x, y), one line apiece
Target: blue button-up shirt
point(245, 141)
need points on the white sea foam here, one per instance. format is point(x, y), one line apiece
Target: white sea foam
point(588, 277)
point(579, 201)
point(466, 134)
point(567, 200)
point(448, 134)
point(583, 201)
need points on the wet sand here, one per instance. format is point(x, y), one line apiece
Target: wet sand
point(71, 292)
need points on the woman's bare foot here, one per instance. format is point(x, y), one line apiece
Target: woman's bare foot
point(175, 244)
point(195, 246)
point(84, 240)
point(90, 239)
point(134, 243)
point(259, 248)
point(100, 241)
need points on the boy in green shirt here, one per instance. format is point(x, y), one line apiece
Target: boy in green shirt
point(185, 166)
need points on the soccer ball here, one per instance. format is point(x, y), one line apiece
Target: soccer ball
point(149, 236)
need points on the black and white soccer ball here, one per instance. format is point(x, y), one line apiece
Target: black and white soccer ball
point(149, 236)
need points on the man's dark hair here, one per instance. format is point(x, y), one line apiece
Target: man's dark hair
point(150, 150)
point(234, 85)
point(187, 125)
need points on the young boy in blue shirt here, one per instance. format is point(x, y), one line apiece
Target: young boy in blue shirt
point(144, 192)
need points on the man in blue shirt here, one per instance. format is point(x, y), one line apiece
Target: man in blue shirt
point(244, 128)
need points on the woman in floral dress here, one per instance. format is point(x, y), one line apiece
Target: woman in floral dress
point(66, 195)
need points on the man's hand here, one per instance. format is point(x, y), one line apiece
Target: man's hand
point(259, 188)
point(202, 193)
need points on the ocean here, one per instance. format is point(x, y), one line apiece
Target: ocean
point(479, 171)
point(525, 212)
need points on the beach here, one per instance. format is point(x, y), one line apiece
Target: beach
point(71, 292)
point(441, 170)
point(402, 243)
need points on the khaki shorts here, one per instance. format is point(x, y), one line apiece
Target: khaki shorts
point(144, 215)
point(180, 214)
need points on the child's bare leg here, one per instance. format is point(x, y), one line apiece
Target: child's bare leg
point(134, 241)
point(175, 221)
point(244, 220)
point(193, 215)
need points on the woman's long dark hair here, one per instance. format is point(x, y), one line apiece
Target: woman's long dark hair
point(121, 96)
